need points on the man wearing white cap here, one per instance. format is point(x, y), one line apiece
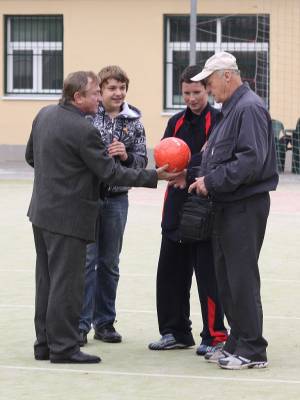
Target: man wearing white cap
point(238, 170)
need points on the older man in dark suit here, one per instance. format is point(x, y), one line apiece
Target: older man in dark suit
point(69, 161)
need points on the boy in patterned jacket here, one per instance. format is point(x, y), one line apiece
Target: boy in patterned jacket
point(124, 137)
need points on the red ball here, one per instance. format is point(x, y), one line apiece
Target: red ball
point(174, 152)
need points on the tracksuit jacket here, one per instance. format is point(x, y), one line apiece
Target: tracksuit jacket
point(194, 130)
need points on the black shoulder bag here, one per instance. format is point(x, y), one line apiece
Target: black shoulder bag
point(197, 217)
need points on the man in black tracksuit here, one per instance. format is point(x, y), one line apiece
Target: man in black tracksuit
point(178, 260)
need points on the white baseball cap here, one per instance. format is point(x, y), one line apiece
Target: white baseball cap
point(218, 61)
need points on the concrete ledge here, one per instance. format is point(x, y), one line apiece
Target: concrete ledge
point(151, 163)
point(14, 166)
point(12, 152)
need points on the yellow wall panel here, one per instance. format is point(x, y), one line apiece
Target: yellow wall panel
point(130, 33)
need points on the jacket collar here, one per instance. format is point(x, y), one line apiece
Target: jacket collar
point(190, 116)
point(232, 101)
point(72, 108)
point(127, 111)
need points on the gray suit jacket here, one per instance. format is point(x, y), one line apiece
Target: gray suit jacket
point(69, 160)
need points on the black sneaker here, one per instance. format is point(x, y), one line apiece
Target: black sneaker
point(82, 338)
point(107, 333)
point(41, 355)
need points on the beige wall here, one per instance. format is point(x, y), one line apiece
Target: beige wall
point(285, 61)
point(130, 33)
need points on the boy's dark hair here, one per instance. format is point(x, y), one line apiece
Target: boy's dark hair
point(113, 72)
point(76, 82)
point(189, 72)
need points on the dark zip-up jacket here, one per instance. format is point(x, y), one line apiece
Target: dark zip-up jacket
point(240, 160)
point(194, 130)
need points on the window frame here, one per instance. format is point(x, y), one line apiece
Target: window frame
point(218, 45)
point(37, 48)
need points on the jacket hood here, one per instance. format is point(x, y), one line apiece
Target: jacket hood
point(128, 111)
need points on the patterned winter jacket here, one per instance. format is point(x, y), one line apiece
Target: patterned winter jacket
point(126, 127)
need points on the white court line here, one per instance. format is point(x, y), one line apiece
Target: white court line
point(16, 306)
point(199, 314)
point(12, 269)
point(297, 281)
point(132, 311)
point(17, 270)
point(137, 275)
point(283, 212)
point(148, 375)
point(280, 280)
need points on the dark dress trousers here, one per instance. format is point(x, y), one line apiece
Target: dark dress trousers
point(69, 161)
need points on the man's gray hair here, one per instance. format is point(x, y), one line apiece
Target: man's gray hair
point(234, 71)
point(76, 82)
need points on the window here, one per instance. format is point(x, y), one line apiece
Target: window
point(34, 54)
point(245, 36)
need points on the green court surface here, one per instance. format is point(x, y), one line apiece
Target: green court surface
point(129, 371)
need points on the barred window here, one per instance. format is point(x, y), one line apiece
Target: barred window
point(245, 36)
point(34, 54)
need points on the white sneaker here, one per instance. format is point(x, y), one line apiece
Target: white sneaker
point(238, 362)
point(167, 342)
point(216, 353)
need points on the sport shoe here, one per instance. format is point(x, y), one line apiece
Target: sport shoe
point(217, 353)
point(82, 338)
point(167, 342)
point(107, 333)
point(204, 348)
point(238, 362)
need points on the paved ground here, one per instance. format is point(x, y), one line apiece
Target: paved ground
point(129, 371)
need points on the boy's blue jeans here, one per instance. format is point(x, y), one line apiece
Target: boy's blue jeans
point(102, 264)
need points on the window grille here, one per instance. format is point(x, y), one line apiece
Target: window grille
point(34, 54)
point(245, 36)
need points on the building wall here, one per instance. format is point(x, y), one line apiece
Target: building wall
point(130, 33)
